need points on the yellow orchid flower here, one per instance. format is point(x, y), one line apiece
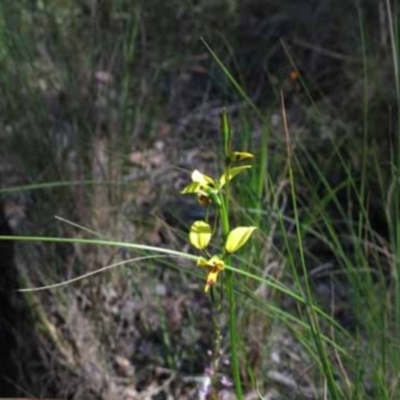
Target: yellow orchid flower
point(207, 188)
point(203, 186)
point(238, 156)
point(214, 266)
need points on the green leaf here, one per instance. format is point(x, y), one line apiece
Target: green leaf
point(238, 237)
point(200, 234)
point(231, 173)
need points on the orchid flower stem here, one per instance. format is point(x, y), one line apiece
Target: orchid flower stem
point(233, 338)
point(217, 346)
point(233, 335)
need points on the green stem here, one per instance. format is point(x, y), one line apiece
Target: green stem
point(217, 347)
point(233, 338)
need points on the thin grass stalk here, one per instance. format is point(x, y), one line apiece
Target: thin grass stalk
point(235, 83)
point(311, 315)
point(394, 214)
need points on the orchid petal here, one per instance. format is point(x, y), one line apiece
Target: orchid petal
point(202, 179)
point(200, 234)
point(238, 237)
point(238, 156)
point(193, 187)
point(231, 173)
